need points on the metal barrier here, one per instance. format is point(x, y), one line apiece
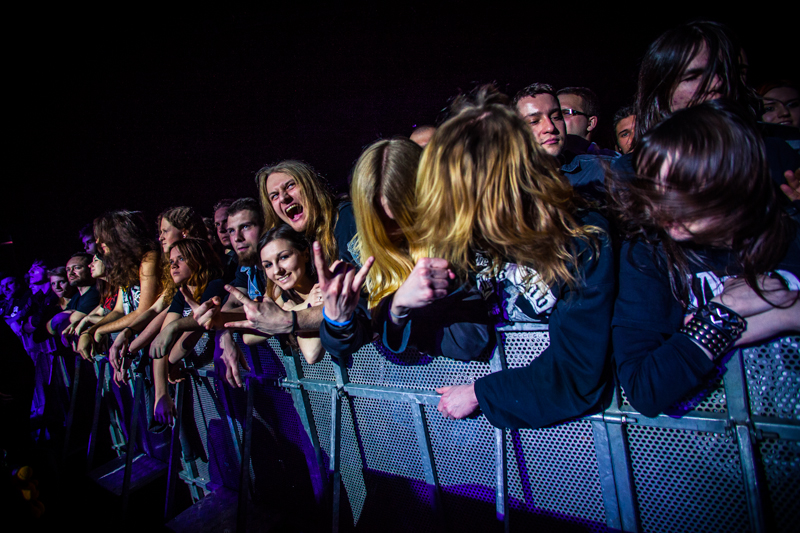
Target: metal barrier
point(367, 442)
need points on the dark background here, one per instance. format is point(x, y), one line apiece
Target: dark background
point(146, 109)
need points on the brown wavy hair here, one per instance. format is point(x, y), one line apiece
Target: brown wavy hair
point(129, 239)
point(202, 261)
point(485, 185)
point(184, 219)
point(705, 162)
point(318, 204)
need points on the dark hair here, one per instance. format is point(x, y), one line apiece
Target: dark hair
point(247, 204)
point(39, 263)
point(86, 231)
point(128, 238)
point(83, 255)
point(58, 271)
point(721, 174)
point(298, 241)
point(225, 202)
point(104, 287)
point(533, 90)
point(201, 260)
point(591, 105)
point(622, 113)
point(667, 59)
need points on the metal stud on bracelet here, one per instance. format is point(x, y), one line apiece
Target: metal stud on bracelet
point(715, 327)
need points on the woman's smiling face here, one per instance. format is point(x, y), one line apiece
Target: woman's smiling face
point(284, 264)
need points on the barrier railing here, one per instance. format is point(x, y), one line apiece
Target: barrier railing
point(366, 441)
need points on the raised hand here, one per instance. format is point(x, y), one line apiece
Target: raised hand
point(340, 285)
point(206, 314)
point(265, 316)
point(429, 281)
point(792, 186)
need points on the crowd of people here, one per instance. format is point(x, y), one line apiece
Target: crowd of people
point(650, 261)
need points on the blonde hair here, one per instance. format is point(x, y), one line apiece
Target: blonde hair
point(386, 169)
point(485, 185)
point(318, 204)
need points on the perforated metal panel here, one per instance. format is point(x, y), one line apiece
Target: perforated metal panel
point(554, 471)
point(376, 365)
point(687, 480)
point(463, 452)
point(393, 474)
point(322, 369)
point(220, 462)
point(682, 480)
point(524, 346)
point(773, 378)
point(352, 464)
point(781, 460)
point(321, 411)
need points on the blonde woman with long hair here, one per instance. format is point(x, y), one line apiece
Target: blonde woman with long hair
point(491, 200)
point(412, 298)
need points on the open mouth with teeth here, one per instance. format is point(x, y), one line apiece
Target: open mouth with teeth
point(294, 212)
point(282, 281)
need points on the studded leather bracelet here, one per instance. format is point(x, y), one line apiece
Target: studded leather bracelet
point(715, 328)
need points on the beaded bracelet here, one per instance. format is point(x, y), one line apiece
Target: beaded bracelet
point(715, 328)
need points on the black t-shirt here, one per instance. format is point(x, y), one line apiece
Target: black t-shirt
point(215, 287)
point(85, 302)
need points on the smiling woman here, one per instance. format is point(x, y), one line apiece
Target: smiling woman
point(291, 283)
point(781, 103)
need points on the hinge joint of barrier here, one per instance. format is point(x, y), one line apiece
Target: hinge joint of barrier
point(286, 383)
point(618, 418)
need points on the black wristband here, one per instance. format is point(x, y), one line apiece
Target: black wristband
point(294, 322)
point(715, 327)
